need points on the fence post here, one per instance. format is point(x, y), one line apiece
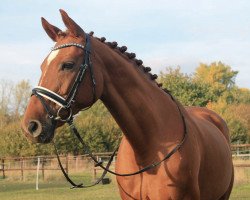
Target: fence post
point(238, 149)
point(76, 164)
point(67, 164)
point(95, 171)
point(3, 168)
point(43, 162)
point(37, 172)
point(21, 162)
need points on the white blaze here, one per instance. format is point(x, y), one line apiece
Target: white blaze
point(51, 57)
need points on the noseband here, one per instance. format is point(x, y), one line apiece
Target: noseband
point(43, 93)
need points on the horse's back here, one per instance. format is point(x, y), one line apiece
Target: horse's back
point(210, 116)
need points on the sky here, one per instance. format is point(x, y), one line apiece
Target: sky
point(162, 33)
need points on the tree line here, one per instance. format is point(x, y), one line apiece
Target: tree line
point(211, 85)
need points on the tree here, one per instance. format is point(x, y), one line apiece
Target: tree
point(100, 131)
point(213, 86)
point(97, 128)
point(188, 91)
point(219, 76)
point(237, 96)
point(237, 117)
point(5, 96)
point(13, 142)
point(22, 91)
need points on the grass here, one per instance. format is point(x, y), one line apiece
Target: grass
point(58, 189)
point(61, 191)
point(241, 192)
point(21, 191)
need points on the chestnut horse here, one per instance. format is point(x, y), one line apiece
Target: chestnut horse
point(151, 120)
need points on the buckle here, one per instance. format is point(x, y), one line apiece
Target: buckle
point(60, 112)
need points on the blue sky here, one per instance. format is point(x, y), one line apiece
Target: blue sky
point(162, 33)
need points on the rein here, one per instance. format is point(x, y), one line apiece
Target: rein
point(106, 168)
point(65, 104)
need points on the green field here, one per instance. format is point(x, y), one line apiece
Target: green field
point(241, 192)
point(55, 191)
point(59, 190)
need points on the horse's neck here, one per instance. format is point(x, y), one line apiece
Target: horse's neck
point(146, 114)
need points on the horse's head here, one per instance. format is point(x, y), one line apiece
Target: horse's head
point(68, 82)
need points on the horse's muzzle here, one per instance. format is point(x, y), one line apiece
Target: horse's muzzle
point(39, 132)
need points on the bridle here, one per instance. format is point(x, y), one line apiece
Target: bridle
point(66, 103)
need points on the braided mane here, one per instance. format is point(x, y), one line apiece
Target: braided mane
point(131, 56)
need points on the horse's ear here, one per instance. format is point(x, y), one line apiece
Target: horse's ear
point(73, 27)
point(51, 30)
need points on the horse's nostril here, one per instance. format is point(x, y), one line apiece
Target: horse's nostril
point(33, 126)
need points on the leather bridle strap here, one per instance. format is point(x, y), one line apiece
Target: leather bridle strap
point(44, 93)
point(81, 185)
point(153, 165)
point(98, 163)
point(56, 98)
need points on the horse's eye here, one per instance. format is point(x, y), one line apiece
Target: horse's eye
point(67, 65)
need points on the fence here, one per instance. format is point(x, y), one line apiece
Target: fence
point(20, 165)
point(241, 150)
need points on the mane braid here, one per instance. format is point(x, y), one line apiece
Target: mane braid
point(131, 56)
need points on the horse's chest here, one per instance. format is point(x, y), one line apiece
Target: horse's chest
point(148, 188)
point(154, 184)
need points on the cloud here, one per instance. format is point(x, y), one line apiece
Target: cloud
point(161, 32)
